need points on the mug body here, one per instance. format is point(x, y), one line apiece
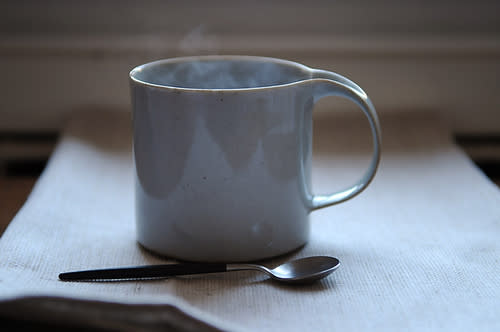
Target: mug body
point(222, 169)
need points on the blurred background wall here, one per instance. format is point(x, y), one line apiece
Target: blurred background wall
point(62, 56)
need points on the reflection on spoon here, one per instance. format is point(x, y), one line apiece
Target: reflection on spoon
point(302, 270)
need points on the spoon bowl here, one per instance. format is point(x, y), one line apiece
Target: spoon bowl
point(303, 270)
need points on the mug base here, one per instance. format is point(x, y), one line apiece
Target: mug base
point(220, 258)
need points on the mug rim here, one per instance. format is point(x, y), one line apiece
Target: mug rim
point(183, 59)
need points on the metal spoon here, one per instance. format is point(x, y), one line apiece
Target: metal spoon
point(302, 270)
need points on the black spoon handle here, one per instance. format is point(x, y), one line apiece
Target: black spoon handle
point(144, 272)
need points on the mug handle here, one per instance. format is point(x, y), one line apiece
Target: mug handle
point(325, 84)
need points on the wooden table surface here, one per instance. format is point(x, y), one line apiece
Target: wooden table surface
point(13, 194)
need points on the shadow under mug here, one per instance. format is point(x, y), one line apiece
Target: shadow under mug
point(222, 155)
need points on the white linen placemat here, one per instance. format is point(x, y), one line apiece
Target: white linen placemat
point(419, 248)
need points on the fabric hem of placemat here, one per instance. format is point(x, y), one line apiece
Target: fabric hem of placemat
point(91, 313)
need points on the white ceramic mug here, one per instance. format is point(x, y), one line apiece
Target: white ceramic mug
point(222, 152)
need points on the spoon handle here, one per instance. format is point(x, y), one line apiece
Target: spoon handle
point(144, 272)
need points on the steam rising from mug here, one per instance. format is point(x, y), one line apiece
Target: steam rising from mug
point(216, 74)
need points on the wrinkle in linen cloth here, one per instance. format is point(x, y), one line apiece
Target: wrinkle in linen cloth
point(419, 248)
